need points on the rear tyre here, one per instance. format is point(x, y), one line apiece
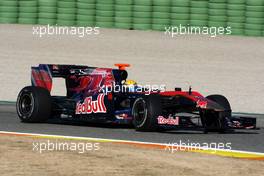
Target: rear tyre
point(145, 112)
point(33, 104)
point(217, 121)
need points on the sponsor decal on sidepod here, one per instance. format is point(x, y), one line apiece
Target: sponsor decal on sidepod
point(89, 106)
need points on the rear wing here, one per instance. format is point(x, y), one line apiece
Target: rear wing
point(42, 75)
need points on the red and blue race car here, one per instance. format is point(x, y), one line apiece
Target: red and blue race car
point(104, 95)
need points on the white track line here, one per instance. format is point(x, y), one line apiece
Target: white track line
point(126, 141)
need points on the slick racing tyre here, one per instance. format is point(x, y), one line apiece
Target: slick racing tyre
point(33, 104)
point(217, 121)
point(145, 112)
point(221, 100)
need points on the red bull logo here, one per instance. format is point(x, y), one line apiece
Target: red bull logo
point(89, 106)
point(201, 104)
point(168, 121)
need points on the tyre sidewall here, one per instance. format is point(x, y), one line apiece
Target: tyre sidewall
point(153, 105)
point(221, 123)
point(41, 108)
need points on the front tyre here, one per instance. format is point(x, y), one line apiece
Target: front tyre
point(33, 104)
point(217, 121)
point(222, 101)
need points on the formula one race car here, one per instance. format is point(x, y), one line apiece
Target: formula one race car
point(104, 95)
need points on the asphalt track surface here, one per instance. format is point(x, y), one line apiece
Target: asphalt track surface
point(246, 140)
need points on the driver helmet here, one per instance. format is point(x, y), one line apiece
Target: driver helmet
point(130, 82)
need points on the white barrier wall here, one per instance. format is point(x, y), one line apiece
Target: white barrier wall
point(227, 65)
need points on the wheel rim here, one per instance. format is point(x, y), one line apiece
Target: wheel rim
point(26, 104)
point(140, 112)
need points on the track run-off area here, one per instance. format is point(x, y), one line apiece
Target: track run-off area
point(242, 143)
